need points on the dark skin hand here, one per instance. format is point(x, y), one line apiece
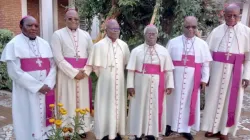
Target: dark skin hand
point(131, 91)
point(245, 83)
point(45, 88)
point(81, 74)
point(203, 86)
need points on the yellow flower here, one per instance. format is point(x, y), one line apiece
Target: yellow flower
point(58, 122)
point(77, 110)
point(62, 109)
point(82, 111)
point(52, 120)
point(63, 112)
point(51, 105)
point(65, 129)
point(60, 104)
point(87, 110)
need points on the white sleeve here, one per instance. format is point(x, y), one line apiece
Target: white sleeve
point(51, 78)
point(169, 79)
point(22, 78)
point(205, 72)
point(130, 79)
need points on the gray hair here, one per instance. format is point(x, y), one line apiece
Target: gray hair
point(150, 26)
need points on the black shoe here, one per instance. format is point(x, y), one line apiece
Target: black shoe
point(150, 137)
point(168, 131)
point(106, 137)
point(136, 138)
point(188, 136)
point(83, 135)
point(118, 137)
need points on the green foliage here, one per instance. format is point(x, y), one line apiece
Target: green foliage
point(134, 15)
point(5, 81)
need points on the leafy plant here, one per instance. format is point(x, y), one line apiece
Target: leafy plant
point(5, 81)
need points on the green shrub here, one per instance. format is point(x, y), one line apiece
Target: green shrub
point(5, 81)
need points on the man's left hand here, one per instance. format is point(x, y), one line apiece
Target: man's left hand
point(85, 75)
point(245, 83)
point(203, 86)
point(169, 91)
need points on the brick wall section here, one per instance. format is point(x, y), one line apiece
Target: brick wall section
point(10, 15)
point(33, 9)
point(61, 13)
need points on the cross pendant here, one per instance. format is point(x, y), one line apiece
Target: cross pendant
point(185, 60)
point(111, 67)
point(39, 62)
point(228, 55)
point(77, 57)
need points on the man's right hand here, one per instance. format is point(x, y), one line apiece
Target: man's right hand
point(80, 75)
point(131, 92)
point(45, 88)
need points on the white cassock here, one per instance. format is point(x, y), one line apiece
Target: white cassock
point(178, 103)
point(28, 105)
point(108, 60)
point(144, 111)
point(235, 40)
point(71, 50)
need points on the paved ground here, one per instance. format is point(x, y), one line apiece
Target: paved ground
point(6, 128)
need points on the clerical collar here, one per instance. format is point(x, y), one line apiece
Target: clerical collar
point(71, 29)
point(28, 38)
point(188, 38)
point(148, 45)
point(110, 40)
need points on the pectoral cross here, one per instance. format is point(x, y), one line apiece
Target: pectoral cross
point(185, 60)
point(39, 62)
point(111, 66)
point(228, 55)
point(77, 57)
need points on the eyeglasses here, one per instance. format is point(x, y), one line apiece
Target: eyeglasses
point(193, 27)
point(75, 19)
point(232, 16)
point(114, 29)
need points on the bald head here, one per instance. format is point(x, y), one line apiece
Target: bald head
point(232, 7)
point(190, 26)
point(72, 19)
point(232, 14)
point(190, 19)
point(112, 29)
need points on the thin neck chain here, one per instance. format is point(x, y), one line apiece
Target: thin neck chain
point(32, 49)
point(185, 46)
point(76, 44)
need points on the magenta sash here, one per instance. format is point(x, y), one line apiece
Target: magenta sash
point(80, 63)
point(29, 64)
point(156, 69)
point(237, 60)
point(197, 81)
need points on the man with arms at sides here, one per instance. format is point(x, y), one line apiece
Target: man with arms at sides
point(191, 57)
point(71, 47)
point(150, 77)
point(108, 59)
point(230, 74)
point(31, 66)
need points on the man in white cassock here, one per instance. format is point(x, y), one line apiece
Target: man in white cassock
point(71, 47)
point(230, 73)
point(191, 57)
point(150, 77)
point(108, 58)
point(31, 66)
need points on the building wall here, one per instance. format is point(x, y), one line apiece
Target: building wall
point(62, 4)
point(33, 9)
point(10, 15)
